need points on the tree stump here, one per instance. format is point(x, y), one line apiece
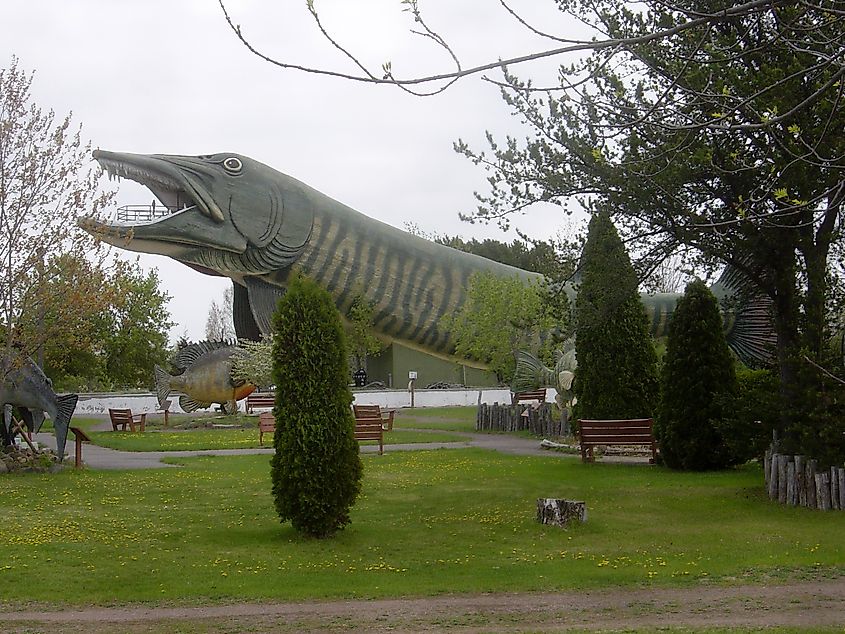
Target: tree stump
point(560, 512)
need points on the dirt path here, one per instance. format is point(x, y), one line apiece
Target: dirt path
point(819, 604)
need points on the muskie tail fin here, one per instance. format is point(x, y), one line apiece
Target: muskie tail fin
point(66, 405)
point(531, 372)
point(162, 385)
point(747, 318)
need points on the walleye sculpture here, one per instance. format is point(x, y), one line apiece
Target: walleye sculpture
point(232, 216)
point(205, 377)
point(26, 386)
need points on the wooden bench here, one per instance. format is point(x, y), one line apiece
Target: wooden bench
point(637, 431)
point(370, 429)
point(260, 399)
point(266, 425)
point(123, 418)
point(374, 411)
point(530, 395)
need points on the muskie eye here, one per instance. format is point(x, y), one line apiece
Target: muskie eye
point(233, 165)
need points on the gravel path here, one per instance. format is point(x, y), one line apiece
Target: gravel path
point(805, 605)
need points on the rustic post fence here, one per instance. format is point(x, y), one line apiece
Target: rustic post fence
point(536, 419)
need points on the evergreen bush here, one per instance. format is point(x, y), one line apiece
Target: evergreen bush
point(698, 381)
point(751, 415)
point(617, 365)
point(316, 470)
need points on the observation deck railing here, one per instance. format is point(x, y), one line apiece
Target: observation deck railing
point(142, 213)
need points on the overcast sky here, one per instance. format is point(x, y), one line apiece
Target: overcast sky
point(168, 76)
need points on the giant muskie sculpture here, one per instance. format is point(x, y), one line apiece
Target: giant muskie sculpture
point(230, 215)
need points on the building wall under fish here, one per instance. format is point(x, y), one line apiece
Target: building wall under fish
point(394, 362)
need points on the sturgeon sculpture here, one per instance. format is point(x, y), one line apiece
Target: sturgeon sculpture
point(229, 215)
point(24, 385)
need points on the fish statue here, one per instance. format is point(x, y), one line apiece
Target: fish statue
point(229, 215)
point(26, 386)
point(205, 377)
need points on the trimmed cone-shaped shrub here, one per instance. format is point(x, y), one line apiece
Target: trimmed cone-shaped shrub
point(316, 470)
point(699, 381)
point(617, 363)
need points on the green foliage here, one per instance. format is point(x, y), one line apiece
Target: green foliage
point(316, 469)
point(120, 338)
point(698, 372)
point(817, 429)
point(359, 332)
point(46, 184)
point(500, 316)
point(751, 415)
point(138, 327)
point(617, 364)
point(256, 366)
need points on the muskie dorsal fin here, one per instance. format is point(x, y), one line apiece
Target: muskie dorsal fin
point(188, 355)
point(263, 299)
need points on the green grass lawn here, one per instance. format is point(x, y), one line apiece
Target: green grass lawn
point(441, 418)
point(205, 439)
point(427, 523)
point(190, 432)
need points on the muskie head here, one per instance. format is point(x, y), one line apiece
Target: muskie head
point(223, 213)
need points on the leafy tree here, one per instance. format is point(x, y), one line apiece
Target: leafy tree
point(359, 333)
point(617, 364)
point(719, 139)
point(316, 469)
point(698, 373)
point(138, 327)
point(499, 317)
point(219, 326)
point(44, 187)
point(117, 339)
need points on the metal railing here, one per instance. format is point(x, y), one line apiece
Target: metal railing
point(142, 213)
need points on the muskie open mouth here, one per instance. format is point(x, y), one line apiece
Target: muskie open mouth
point(177, 186)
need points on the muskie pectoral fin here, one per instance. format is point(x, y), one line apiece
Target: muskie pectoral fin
point(263, 299)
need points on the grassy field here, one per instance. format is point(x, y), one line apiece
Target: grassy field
point(427, 523)
point(205, 439)
point(192, 433)
point(460, 419)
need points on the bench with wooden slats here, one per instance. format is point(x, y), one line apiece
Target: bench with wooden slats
point(260, 399)
point(266, 425)
point(123, 418)
point(594, 433)
point(529, 395)
point(374, 411)
point(370, 429)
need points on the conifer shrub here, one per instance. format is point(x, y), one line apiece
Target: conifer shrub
point(617, 364)
point(698, 383)
point(316, 470)
point(752, 414)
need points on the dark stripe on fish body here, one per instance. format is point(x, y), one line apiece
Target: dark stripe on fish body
point(433, 335)
point(421, 300)
point(390, 255)
point(308, 263)
point(344, 300)
point(412, 285)
point(325, 271)
point(392, 309)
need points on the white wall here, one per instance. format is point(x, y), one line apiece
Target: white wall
point(147, 402)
